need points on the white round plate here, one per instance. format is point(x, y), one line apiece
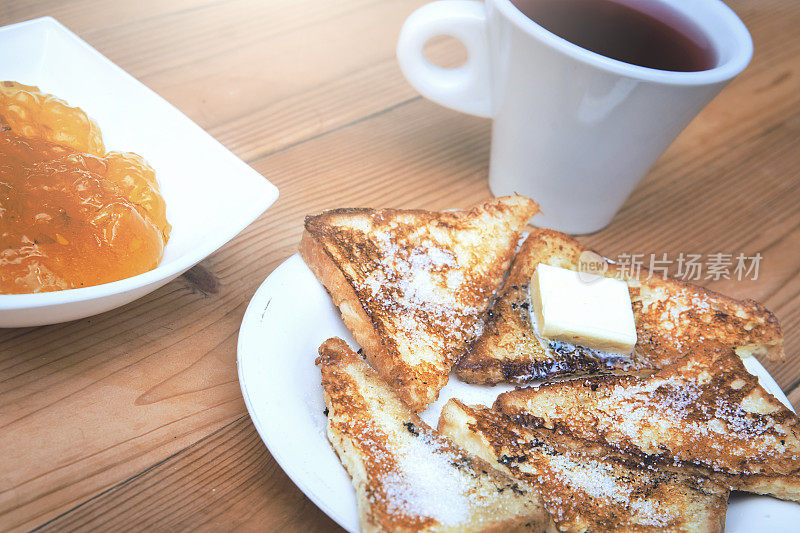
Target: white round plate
point(287, 319)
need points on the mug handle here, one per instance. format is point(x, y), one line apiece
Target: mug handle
point(466, 88)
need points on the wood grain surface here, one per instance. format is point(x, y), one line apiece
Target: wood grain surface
point(133, 419)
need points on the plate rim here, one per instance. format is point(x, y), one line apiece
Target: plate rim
point(266, 435)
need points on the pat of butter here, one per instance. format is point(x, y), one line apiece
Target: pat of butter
point(587, 310)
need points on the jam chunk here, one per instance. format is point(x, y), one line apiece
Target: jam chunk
point(37, 115)
point(71, 215)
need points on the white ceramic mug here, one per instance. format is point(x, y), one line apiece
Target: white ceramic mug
point(573, 129)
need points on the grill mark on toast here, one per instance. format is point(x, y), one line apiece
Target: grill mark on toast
point(581, 491)
point(705, 413)
point(417, 283)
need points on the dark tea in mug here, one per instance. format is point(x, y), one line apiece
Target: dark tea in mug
point(640, 32)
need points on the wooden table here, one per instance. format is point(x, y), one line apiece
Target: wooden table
point(134, 418)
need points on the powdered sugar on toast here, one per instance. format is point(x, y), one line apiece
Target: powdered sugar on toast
point(413, 286)
point(583, 490)
point(705, 410)
point(422, 282)
point(409, 477)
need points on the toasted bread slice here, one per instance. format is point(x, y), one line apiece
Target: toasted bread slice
point(412, 286)
point(706, 412)
point(670, 317)
point(407, 476)
point(582, 490)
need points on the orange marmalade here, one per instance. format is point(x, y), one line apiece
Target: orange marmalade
point(71, 215)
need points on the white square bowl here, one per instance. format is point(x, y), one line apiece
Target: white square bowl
point(211, 195)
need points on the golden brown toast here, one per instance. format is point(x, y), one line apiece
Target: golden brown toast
point(407, 476)
point(582, 490)
point(412, 286)
point(704, 411)
point(671, 316)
